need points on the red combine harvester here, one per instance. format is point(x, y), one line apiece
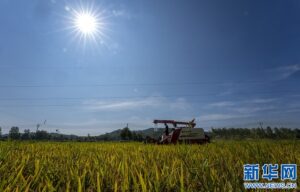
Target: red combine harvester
point(182, 132)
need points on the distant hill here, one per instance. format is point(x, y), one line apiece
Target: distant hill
point(151, 132)
point(115, 135)
point(111, 136)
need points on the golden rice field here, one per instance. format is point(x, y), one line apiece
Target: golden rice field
point(53, 166)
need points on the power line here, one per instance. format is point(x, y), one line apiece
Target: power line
point(136, 84)
point(80, 105)
point(76, 104)
point(149, 96)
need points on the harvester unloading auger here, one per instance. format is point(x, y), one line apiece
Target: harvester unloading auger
point(182, 132)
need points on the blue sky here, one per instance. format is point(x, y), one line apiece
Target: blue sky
point(225, 63)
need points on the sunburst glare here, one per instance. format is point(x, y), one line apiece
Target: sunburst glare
point(87, 24)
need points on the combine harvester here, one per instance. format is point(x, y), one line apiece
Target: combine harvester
point(182, 132)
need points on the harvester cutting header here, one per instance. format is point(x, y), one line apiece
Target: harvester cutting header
point(181, 132)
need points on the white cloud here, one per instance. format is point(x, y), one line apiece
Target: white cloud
point(121, 105)
point(121, 13)
point(218, 117)
point(260, 101)
point(246, 103)
point(179, 104)
point(287, 71)
point(251, 109)
point(222, 104)
point(238, 109)
point(150, 102)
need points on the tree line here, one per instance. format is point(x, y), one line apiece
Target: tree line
point(126, 134)
point(255, 133)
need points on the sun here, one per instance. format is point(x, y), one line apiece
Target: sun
point(86, 23)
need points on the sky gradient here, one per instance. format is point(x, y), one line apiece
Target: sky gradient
point(227, 64)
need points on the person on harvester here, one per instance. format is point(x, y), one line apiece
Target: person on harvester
point(167, 129)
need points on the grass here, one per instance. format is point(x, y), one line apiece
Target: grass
point(51, 166)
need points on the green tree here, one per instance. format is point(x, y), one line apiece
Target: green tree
point(126, 134)
point(26, 134)
point(42, 135)
point(269, 132)
point(14, 133)
point(297, 133)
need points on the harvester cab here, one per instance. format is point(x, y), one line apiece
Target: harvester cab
point(181, 132)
